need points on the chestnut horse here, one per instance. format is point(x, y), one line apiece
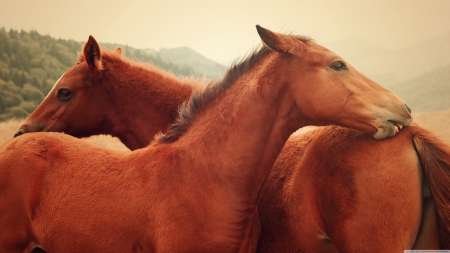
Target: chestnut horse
point(157, 105)
point(116, 109)
point(79, 88)
point(346, 192)
point(62, 194)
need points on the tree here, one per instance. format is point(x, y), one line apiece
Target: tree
point(31, 94)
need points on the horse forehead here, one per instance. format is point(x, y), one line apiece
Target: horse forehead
point(318, 56)
point(319, 50)
point(71, 77)
point(317, 47)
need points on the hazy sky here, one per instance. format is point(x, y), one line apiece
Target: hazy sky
point(224, 30)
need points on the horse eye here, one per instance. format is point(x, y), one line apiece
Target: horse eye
point(64, 94)
point(338, 66)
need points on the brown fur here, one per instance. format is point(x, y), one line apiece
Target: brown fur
point(199, 101)
point(206, 183)
point(361, 195)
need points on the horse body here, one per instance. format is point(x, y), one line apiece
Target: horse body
point(114, 204)
point(157, 95)
point(200, 199)
point(361, 195)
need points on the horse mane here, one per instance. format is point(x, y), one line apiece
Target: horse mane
point(200, 100)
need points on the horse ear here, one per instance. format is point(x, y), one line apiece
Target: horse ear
point(119, 51)
point(92, 53)
point(276, 41)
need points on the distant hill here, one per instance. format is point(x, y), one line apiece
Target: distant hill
point(184, 56)
point(30, 64)
point(428, 92)
point(141, 55)
point(420, 74)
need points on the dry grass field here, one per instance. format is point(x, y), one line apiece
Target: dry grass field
point(438, 122)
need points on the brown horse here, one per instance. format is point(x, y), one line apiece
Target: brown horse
point(272, 237)
point(65, 195)
point(346, 192)
point(107, 94)
point(112, 61)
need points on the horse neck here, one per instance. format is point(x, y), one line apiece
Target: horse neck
point(241, 133)
point(146, 101)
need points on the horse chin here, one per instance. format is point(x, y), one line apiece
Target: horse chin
point(389, 130)
point(384, 133)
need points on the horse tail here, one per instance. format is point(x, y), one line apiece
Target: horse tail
point(435, 160)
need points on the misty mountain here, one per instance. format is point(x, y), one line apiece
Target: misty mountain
point(185, 56)
point(428, 92)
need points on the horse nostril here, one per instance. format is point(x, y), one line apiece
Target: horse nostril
point(408, 109)
point(20, 132)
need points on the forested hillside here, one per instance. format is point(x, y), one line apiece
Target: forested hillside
point(31, 63)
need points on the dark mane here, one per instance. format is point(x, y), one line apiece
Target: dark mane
point(198, 101)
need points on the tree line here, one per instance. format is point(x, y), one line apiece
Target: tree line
point(30, 64)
